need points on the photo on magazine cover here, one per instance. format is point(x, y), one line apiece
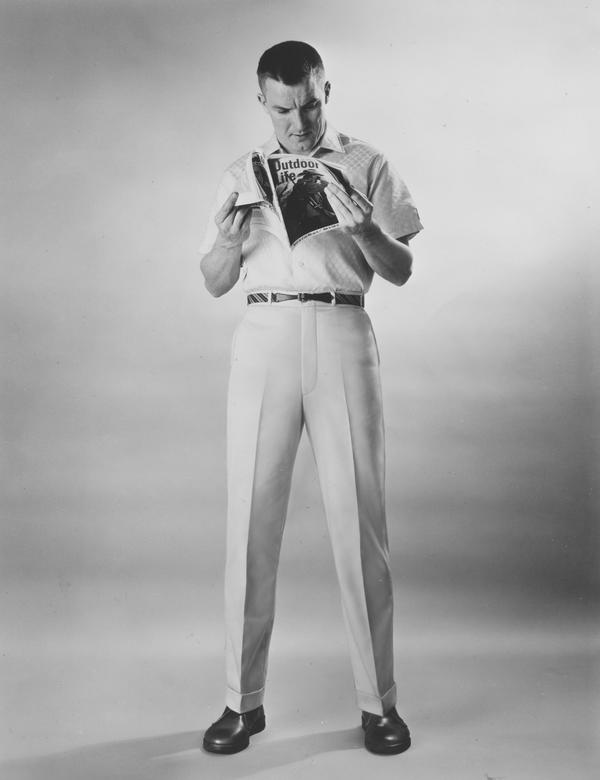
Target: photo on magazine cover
point(302, 199)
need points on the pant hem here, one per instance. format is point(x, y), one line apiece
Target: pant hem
point(243, 702)
point(377, 705)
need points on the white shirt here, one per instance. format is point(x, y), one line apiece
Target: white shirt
point(328, 261)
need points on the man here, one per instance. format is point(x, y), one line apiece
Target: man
point(305, 355)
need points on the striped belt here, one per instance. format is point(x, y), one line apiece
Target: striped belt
point(325, 297)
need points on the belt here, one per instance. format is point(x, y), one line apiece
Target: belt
point(325, 297)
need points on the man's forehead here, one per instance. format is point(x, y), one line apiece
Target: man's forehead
point(280, 93)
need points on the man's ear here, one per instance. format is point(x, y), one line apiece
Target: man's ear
point(261, 99)
point(327, 88)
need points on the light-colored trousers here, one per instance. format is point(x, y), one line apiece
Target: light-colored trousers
point(307, 364)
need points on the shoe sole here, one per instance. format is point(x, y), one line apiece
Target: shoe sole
point(388, 750)
point(215, 747)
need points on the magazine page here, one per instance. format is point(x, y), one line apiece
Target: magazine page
point(261, 191)
point(301, 189)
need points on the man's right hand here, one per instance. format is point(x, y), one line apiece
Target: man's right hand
point(221, 266)
point(233, 224)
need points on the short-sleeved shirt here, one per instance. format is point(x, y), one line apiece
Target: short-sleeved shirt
point(327, 261)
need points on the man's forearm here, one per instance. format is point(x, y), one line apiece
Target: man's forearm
point(387, 256)
point(221, 267)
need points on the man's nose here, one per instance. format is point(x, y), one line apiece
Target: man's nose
point(298, 122)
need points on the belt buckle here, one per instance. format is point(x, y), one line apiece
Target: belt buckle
point(302, 297)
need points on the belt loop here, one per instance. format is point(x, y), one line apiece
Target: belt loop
point(270, 294)
point(333, 300)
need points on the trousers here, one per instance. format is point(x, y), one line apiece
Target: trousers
point(307, 365)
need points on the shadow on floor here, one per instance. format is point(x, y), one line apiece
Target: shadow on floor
point(176, 756)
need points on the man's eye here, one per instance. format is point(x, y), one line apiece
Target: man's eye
point(281, 110)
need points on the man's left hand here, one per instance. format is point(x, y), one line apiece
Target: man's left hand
point(354, 211)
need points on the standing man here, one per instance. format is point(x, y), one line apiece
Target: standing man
point(304, 355)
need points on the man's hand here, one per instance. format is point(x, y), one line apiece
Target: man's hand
point(221, 266)
point(387, 256)
point(233, 224)
point(354, 211)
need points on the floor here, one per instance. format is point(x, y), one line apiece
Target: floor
point(486, 697)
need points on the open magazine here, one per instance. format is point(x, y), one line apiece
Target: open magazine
point(295, 188)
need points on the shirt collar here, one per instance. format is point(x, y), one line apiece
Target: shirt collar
point(330, 141)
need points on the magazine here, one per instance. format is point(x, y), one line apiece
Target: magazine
point(295, 188)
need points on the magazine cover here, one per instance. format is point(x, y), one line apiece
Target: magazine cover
point(295, 186)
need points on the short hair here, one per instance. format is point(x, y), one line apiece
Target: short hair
point(289, 62)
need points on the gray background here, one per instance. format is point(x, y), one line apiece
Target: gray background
point(118, 118)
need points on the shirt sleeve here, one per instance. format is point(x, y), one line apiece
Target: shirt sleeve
point(393, 206)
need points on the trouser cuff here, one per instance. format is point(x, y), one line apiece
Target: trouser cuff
point(377, 705)
point(244, 702)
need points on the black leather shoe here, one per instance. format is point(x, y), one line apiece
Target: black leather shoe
point(232, 732)
point(385, 734)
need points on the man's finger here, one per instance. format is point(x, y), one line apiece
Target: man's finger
point(345, 203)
point(361, 199)
point(352, 205)
point(227, 207)
point(342, 210)
point(240, 218)
point(224, 224)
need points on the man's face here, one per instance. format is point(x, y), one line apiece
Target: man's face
point(296, 111)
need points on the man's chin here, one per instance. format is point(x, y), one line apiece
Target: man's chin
point(300, 145)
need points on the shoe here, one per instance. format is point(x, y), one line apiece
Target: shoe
point(232, 732)
point(385, 734)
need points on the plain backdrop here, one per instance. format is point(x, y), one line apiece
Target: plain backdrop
point(118, 119)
